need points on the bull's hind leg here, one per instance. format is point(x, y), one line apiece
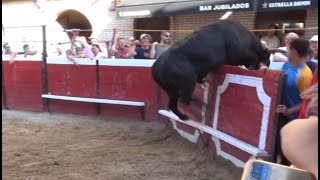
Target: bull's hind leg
point(187, 88)
point(186, 92)
point(173, 104)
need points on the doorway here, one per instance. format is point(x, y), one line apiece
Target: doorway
point(72, 19)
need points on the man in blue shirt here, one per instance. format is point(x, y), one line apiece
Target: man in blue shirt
point(299, 77)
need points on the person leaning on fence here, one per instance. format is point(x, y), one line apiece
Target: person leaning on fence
point(143, 52)
point(85, 48)
point(8, 51)
point(132, 44)
point(102, 46)
point(79, 53)
point(158, 48)
point(120, 50)
point(27, 51)
point(71, 57)
point(299, 138)
point(98, 54)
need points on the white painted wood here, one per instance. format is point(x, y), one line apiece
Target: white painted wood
point(103, 62)
point(218, 134)
point(193, 137)
point(64, 60)
point(94, 100)
point(127, 62)
point(22, 58)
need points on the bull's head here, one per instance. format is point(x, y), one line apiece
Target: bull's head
point(264, 58)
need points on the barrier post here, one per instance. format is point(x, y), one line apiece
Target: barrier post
point(276, 148)
point(44, 69)
point(158, 95)
point(4, 89)
point(98, 106)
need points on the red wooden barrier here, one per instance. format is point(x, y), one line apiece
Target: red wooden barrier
point(129, 80)
point(23, 83)
point(239, 103)
point(66, 79)
point(240, 107)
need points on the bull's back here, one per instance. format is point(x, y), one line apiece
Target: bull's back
point(209, 46)
point(213, 39)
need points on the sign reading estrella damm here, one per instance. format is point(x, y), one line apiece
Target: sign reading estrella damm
point(272, 5)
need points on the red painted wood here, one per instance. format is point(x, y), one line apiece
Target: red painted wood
point(72, 107)
point(23, 85)
point(130, 84)
point(240, 110)
point(70, 80)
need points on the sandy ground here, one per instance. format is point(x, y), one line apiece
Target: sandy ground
point(56, 146)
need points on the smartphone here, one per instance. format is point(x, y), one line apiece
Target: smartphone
point(263, 170)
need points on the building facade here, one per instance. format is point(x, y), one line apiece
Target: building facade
point(99, 17)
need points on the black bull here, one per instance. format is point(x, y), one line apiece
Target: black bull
point(188, 61)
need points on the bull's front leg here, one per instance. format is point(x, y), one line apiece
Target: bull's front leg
point(173, 106)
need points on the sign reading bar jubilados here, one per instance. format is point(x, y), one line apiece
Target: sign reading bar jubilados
point(176, 7)
point(226, 6)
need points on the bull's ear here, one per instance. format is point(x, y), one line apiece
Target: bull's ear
point(274, 50)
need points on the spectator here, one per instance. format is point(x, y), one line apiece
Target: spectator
point(27, 51)
point(103, 46)
point(143, 52)
point(158, 48)
point(85, 48)
point(314, 81)
point(79, 53)
point(299, 142)
point(314, 46)
point(120, 50)
point(8, 51)
point(278, 59)
point(98, 54)
point(311, 94)
point(310, 63)
point(299, 78)
point(70, 56)
point(299, 138)
point(132, 44)
point(271, 38)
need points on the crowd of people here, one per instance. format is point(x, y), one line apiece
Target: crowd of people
point(130, 48)
point(121, 49)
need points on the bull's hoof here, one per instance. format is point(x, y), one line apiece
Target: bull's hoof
point(183, 117)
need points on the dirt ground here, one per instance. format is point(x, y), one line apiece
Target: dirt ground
point(55, 146)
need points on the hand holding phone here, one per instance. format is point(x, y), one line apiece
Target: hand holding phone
point(263, 170)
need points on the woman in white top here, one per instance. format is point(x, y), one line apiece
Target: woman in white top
point(98, 54)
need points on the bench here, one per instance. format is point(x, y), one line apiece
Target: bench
point(218, 134)
point(101, 101)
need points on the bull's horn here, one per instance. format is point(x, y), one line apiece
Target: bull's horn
point(274, 50)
